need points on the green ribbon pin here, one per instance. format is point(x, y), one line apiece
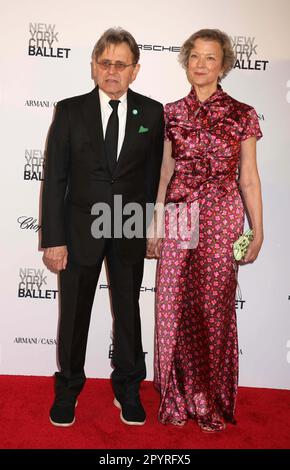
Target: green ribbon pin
point(142, 130)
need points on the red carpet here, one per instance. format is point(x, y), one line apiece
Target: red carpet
point(263, 417)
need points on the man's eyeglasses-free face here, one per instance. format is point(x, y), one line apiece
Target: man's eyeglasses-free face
point(119, 66)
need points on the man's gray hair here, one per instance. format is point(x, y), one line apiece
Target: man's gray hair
point(116, 36)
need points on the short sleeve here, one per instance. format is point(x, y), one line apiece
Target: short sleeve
point(251, 126)
point(167, 132)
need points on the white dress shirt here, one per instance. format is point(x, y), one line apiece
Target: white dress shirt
point(106, 111)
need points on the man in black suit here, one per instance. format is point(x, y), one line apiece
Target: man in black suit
point(103, 144)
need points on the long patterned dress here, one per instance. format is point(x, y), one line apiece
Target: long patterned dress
point(196, 348)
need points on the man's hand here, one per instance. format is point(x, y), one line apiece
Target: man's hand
point(55, 258)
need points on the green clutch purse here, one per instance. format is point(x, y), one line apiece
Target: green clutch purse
point(241, 245)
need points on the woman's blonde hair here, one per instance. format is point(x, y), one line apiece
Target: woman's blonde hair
point(210, 35)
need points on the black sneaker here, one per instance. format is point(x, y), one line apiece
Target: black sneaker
point(62, 413)
point(132, 411)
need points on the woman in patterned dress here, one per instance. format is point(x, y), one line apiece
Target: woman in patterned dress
point(210, 159)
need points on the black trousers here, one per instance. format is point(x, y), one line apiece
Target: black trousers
point(77, 291)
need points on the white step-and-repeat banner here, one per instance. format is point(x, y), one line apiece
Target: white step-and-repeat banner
point(45, 56)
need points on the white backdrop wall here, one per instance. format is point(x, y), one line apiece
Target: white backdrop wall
point(30, 85)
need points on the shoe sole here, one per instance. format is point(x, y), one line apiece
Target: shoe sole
point(63, 425)
point(130, 423)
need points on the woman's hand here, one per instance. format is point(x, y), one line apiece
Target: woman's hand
point(150, 248)
point(153, 247)
point(253, 251)
point(158, 247)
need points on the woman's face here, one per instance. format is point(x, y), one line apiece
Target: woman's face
point(205, 63)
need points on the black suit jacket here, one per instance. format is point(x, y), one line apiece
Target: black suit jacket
point(77, 174)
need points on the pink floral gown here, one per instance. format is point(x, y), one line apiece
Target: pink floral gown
point(196, 348)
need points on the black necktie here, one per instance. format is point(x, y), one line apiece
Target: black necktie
point(112, 133)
